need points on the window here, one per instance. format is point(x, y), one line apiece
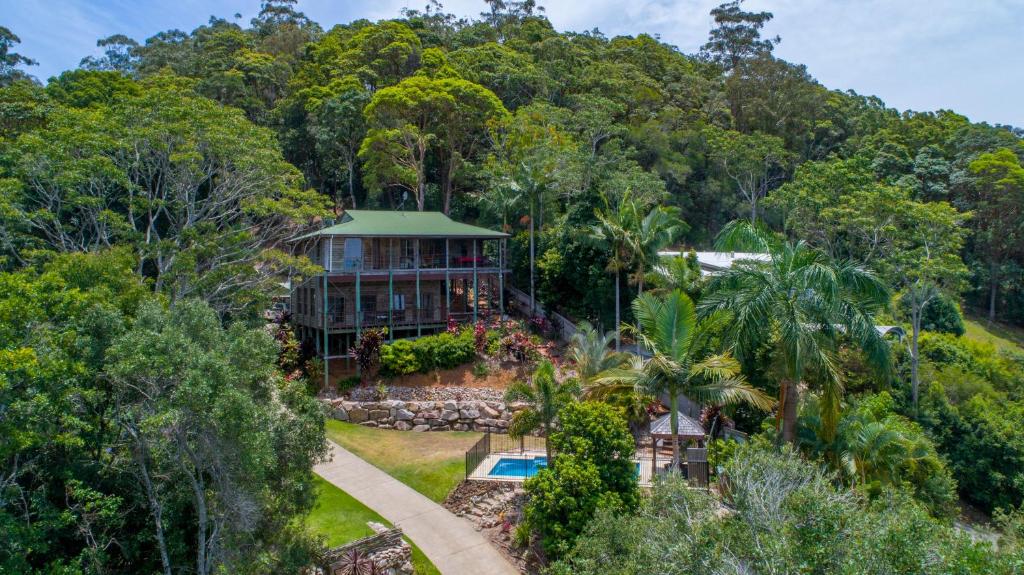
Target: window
point(336, 308)
point(398, 301)
point(368, 302)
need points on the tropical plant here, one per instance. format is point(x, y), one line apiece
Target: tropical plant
point(682, 362)
point(614, 230)
point(681, 272)
point(545, 396)
point(800, 303)
point(589, 353)
point(656, 231)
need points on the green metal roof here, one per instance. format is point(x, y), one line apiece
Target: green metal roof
point(370, 223)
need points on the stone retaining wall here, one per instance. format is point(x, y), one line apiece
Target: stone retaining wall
point(387, 552)
point(451, 415)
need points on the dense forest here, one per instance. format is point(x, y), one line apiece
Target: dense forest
point(174, 170)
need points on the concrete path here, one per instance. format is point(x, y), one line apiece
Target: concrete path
point(452, 543)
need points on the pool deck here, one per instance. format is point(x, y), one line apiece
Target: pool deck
point(483, 470)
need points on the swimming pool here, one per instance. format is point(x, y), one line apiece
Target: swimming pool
point(524, 467)
point(518, 467)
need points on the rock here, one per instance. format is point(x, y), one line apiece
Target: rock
point(460, 427)
point(377, 527)
point(383, 426)
point(369, 424)
point(419, 421)
point(340, 414)
point(468, 414)
point(412, 406)
point(379, 414)
point(357, 415)
point(402, 426)
point(442, 428)
point(404, 415)
point(506, 415)
point(451, 406)
point(429, 414)
point(449, 415)
point(501, 424)
point(489, 411)
point(421, 428)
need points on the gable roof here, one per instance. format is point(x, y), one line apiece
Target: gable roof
point(390, 224)
point(688, 426)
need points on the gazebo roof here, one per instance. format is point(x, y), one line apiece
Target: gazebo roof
point(688, 427)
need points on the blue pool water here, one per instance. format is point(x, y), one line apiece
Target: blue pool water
point(517, 467)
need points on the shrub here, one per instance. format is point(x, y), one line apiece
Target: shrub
point(593, 470)
point(789, 517)
point(398, 358)
point(442, 351)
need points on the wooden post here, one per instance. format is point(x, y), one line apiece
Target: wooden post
point(447, 284)
point(327, 355)
point(391, 305)
point(476, 287)
point(501, 277)
point(419, 314)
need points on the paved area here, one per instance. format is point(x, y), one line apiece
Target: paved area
point(483, 470)
point(452, 543)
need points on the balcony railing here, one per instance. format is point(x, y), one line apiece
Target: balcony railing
point(398, 317)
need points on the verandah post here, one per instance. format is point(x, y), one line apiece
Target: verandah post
point(501, 277)
point(327, 355)
point(447, 283)
point(476, 289)
point(391, 305)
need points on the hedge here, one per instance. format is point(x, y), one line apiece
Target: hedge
point(441, 351)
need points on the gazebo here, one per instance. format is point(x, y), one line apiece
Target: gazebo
point(661, 429)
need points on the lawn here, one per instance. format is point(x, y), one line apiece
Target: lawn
point(341, 519)
point(432, 463)
point(1001, 336)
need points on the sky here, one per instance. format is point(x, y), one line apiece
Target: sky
point(964, 55)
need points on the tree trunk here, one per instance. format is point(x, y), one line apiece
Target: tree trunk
point(351, 183)
point(791, 401)
point(674, 423)
point(139, 453)
point(533, 301)
point(915, 360)
point(618, 328)
point(993, 288)
point(753, 208)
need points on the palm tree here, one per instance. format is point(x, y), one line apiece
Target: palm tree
point(656, 231)
point(545, 396)
point(681, 272)
point(588, 350)
point(681, 362)
point(800, 303)
point(615, 231)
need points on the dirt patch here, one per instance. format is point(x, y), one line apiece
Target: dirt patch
point(497, 376)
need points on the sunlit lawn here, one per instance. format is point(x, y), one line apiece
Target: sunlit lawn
point(341, 519)
point(432, 463)
point(1001, 336)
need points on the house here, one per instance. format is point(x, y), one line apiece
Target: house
point(407, 271)
point(711, 262)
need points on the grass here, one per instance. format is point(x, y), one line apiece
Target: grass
point(340, 518)
point(1001, 336)
point(432, 463)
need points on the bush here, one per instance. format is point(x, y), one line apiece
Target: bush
point(593, 470)
point(441, 351)
point(398, 358)
point(788, 517)
point(941, 315)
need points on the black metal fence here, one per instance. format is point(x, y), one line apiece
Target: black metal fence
point(522, 453)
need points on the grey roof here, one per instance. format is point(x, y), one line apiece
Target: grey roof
point(688, 426)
